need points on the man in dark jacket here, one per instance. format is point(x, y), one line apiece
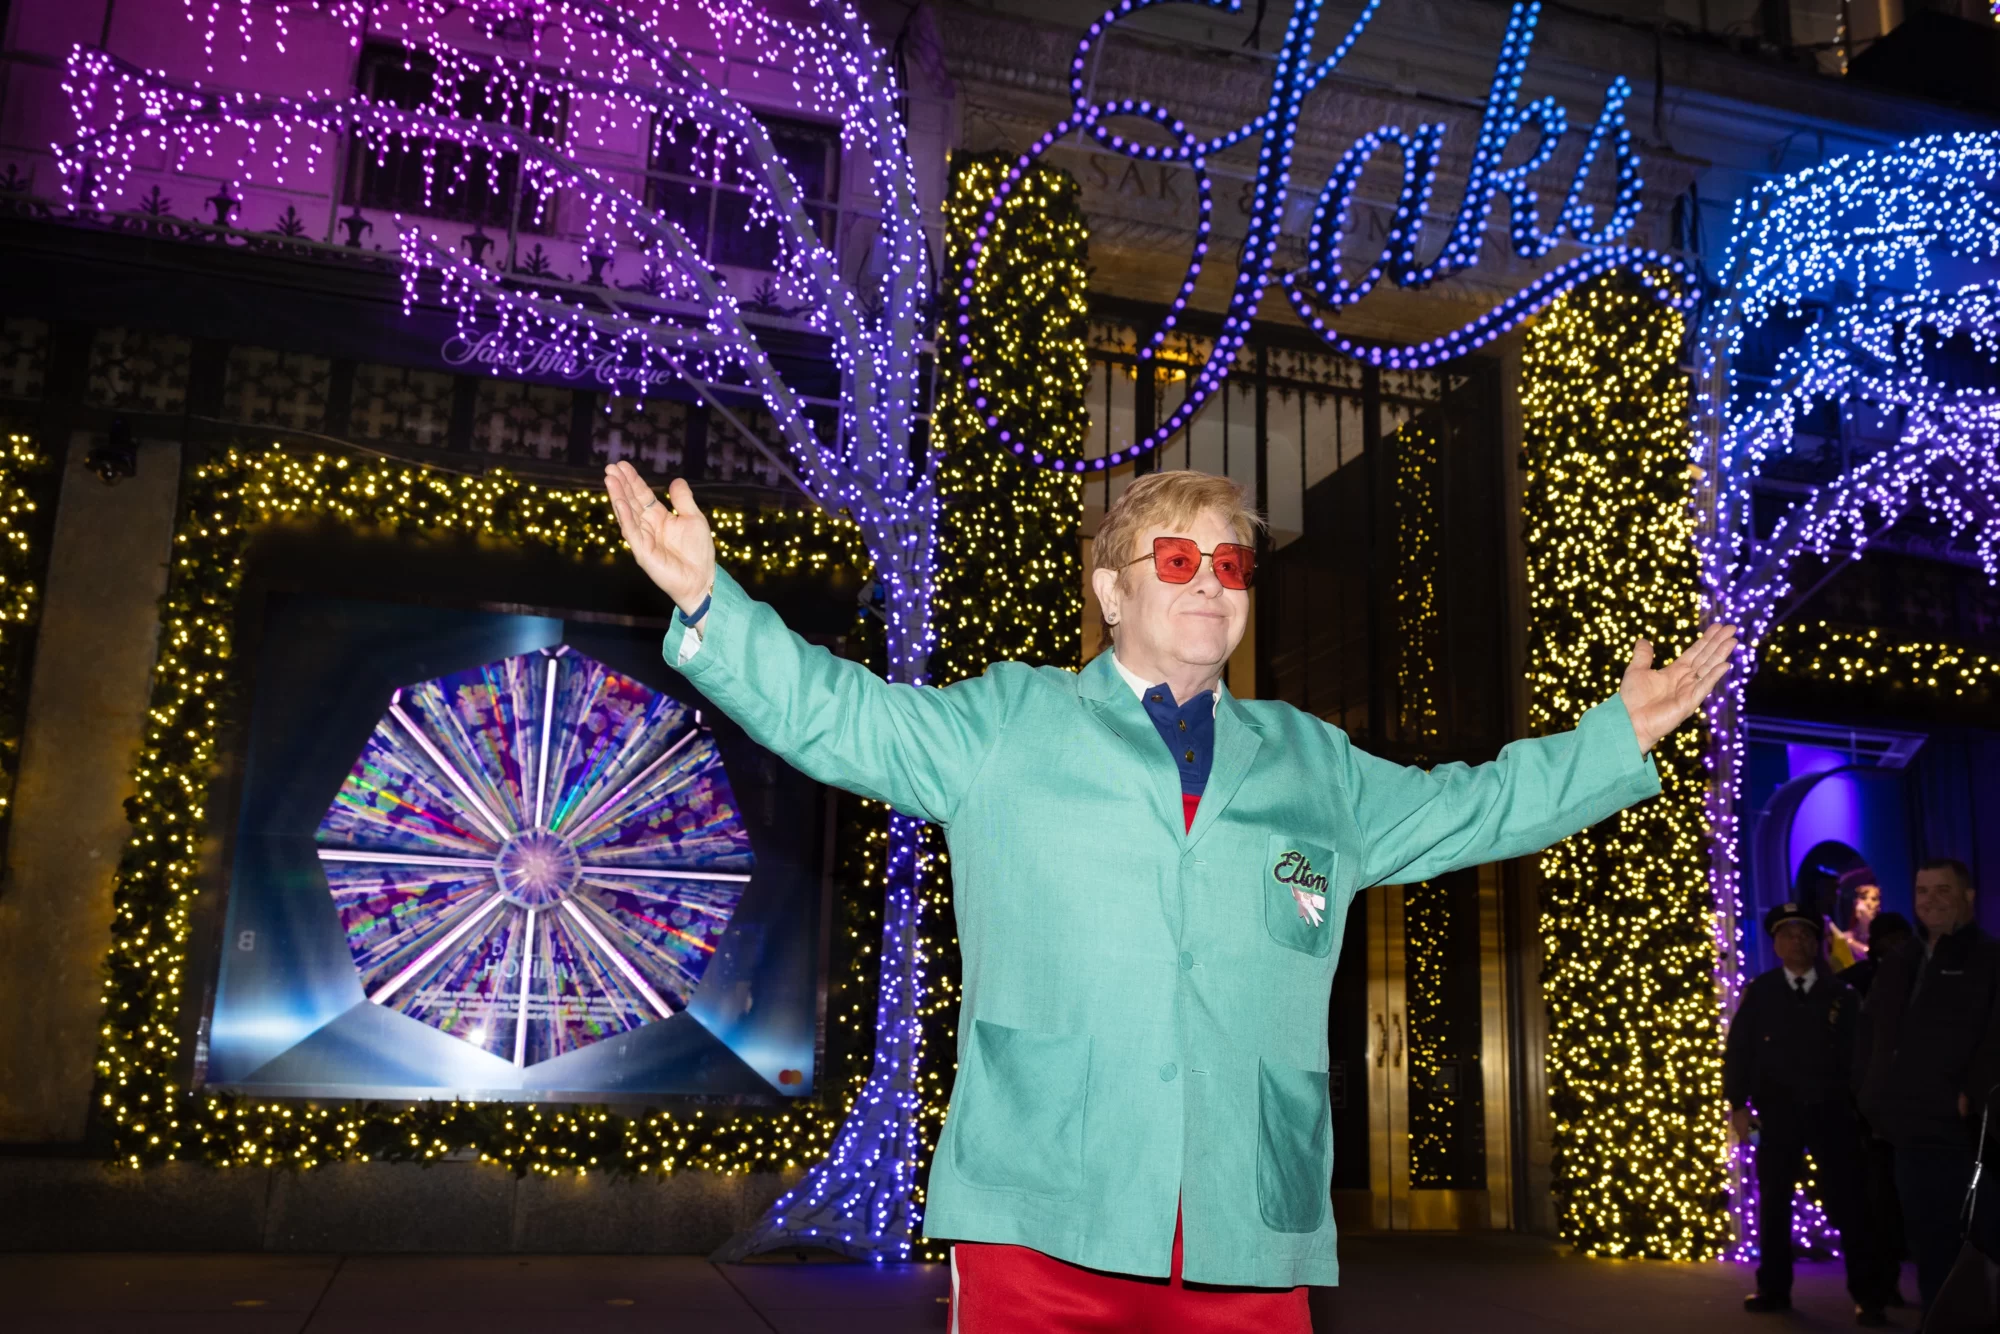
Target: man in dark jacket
point(1885, 1210)
point(1790, 1055)
point(1933, 1052)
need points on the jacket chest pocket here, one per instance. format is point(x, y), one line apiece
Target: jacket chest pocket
point(1298, 894)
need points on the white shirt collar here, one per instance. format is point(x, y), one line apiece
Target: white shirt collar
point(1140, 685)
point(1811, 975)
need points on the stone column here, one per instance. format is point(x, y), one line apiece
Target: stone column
point(86, 704)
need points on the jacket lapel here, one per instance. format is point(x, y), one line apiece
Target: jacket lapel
point(1112, 702)
point(1237, 740)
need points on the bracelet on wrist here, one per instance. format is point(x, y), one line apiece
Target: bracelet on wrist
point(699, 612)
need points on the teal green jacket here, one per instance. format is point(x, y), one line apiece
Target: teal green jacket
point(1145, 1006)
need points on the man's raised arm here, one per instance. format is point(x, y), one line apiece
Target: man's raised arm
point(1420, 823)
point(916, 748)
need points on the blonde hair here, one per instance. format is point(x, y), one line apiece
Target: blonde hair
point(1167, 500)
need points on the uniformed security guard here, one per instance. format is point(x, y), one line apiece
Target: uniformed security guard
point(1790, 1054)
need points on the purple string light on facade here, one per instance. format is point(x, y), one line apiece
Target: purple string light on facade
point(1320, 283)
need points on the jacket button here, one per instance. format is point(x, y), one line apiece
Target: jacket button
point(1168, 1071)
point(1187, 961)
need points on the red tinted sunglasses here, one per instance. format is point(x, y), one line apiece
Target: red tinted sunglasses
point(1176, 560)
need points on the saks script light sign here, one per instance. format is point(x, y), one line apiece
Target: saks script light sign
point(1322, 286)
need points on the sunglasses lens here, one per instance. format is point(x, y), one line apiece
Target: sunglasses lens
point(1175, 559)
point(1234, 565)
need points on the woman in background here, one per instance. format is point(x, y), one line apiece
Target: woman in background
point(1859, 899)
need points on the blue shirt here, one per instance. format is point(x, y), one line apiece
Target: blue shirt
point(1188, 729)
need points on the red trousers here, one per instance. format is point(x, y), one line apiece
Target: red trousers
point(1014, 1290)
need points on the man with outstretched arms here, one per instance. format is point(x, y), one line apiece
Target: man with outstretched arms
point(1150, 878)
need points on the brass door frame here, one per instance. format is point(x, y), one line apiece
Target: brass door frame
point(1388, 1077)
point(1393, 1205)
point(1494, 1050)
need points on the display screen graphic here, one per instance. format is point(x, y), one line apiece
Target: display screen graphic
point(497, 855)
point(534, 855)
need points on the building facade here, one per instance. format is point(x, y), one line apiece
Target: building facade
point(147, 330)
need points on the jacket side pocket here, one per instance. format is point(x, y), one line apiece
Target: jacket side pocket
point(1294, 1147)
point(1017, 1112)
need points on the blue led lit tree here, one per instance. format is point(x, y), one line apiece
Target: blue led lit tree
point(625, 72)
point(1863, 292)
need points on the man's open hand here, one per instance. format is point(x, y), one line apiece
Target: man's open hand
point(1661, 698)
point(672, 542)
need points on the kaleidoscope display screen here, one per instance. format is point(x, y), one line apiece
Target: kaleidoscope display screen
point(495, 856)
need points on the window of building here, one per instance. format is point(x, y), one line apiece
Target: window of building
point(695, 181)
point(400, 403)
point(264, 386)
point(468, 184)
point(528, 420)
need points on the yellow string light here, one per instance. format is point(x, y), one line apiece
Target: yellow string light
point(1820, 652)
point(22, 466)
point(1011, 582)
point(1628, 929)
point(1416, 463)
point(1427, 906)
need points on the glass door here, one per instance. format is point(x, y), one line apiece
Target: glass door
point(1419, 1069)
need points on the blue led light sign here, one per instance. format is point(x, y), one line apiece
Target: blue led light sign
point(1320, 287)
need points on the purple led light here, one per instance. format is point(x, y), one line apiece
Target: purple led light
point(1834, 241)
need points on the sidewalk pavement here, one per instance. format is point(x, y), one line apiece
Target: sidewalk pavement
point(1411, 1284)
